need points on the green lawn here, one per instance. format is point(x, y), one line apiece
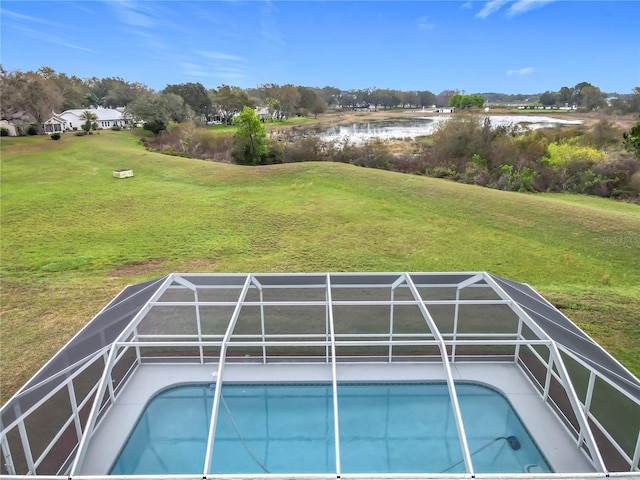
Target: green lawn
point(73, 236)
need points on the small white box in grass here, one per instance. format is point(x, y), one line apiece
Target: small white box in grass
point(123, 173)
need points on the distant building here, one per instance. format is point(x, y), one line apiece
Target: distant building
point(17, 123)
point(9, 127)
point(72, 119)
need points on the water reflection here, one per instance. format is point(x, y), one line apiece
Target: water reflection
point(410, 128)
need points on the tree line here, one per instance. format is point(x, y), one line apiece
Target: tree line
point(40, 92)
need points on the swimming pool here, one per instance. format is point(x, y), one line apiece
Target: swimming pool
point(384, 428)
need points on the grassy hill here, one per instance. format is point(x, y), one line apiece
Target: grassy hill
point(73, 236)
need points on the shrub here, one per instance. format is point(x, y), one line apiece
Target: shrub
point(4, 132)
point(155, 126)
point(55, 136)
point(631, 140)
point(116, 128)
point(477, 172)
point(565, 152)
point(80, 134)
point(276, 152)
point(310, 149)
point(604, 134)
point(517, 180)
point(408, 164)
point(372, 155)
point(32, 130)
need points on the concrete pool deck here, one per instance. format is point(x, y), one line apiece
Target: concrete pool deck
point(553, 440)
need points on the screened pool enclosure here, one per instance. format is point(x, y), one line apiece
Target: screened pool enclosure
point(334, 332)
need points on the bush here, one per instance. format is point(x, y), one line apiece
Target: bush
point(55, 136)
point(80, 134)
point(116, 128)
point(309, 149)
point(565, 152)
point(4, 132)
point(155, 126)
point(32, 130)
point(372, 155)
point(189, 141)
point(408, 164)
point(604, 134)
point(275, 153)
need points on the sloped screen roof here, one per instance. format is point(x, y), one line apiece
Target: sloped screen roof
point(566, 333)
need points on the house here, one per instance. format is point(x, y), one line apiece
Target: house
point(9, 127)
point(263, 113)
point(17, 123)
point(72, 119)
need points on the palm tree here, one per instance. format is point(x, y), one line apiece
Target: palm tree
point(90, 117)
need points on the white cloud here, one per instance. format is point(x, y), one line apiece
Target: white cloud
point(517, 8)
point(523, 6)
point(425, 23)
point(521, 72)
point(135, 14)
point(50, 38)
point(490, 7)
point(466, 5)
point(269, 30)
point(221, 56)
point(26, 18)
point(223, 67)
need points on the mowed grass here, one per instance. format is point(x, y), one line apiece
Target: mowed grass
point(73, 236)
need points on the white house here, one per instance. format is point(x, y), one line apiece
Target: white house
point(17, 123)
point(9, 127)
point(72, 119)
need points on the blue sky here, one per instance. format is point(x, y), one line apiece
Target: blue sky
point(509, 46)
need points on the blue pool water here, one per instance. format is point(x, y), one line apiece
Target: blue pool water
point(384, 428)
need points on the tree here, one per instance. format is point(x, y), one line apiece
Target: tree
point(633, 101)
point(548, 98)
point(307, 100)
point(230, 100)
point(158, 110)
point(319, 106)
point(251, 136)
point(411, 99)
point(444, 96)
point(466, 101)
point(592, 98)
point(286, 97)
point(631, 140)
point(72, 88)
point(330, 95)
point(89, 117)
point(565, 96)
point(577, 94)
point(193, 94)
point(31, 93)
point(121, 94)
point(427, 98)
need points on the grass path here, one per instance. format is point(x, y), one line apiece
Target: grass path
point(73, 236)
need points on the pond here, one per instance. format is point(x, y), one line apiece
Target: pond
point(412, 127)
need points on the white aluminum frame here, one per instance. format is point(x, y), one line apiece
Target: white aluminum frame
point(130, 339)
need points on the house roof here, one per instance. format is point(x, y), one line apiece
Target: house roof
point(103, 114)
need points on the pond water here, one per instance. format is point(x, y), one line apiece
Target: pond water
point(410, 128)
